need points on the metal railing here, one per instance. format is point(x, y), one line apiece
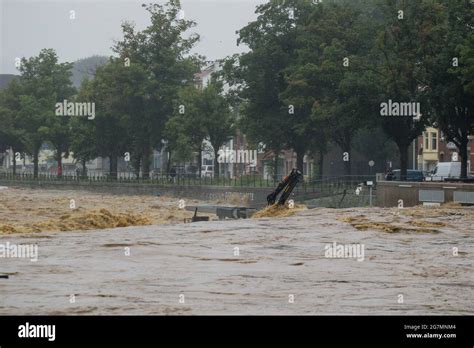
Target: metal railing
point(310, 184)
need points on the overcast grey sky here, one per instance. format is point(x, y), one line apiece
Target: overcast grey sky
point(27, 26)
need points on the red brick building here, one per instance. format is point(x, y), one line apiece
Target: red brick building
point(433, 148)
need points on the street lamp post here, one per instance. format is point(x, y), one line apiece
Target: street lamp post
point(370, 183)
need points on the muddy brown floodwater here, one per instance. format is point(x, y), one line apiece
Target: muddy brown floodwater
point(423, 256)
point(25, 210)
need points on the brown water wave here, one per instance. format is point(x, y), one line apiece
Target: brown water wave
point(280, 266)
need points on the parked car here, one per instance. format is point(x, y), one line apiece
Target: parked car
point(412, 175)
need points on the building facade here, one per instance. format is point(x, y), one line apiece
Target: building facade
point(433, 148)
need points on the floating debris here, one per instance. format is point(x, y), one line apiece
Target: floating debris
point(362, 223)
point(278, 211)
point(422, 223)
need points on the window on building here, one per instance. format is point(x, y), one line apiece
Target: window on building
point(434, 141)
point(427, 140)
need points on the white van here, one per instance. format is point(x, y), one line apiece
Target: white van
point(445, 170)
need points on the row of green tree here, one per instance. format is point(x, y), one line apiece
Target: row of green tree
point(315, 74)
point(144, 98)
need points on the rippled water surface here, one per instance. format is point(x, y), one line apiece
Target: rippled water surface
point(406, 252)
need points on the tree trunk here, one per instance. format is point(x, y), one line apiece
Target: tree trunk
point(35, 162)
point(59, 158)
point(146, 163)
point(403, 148)
point(300, 160)
point(348, 163)
point(84, 168)
point(14, 162)
point(464, 155)
point(216, 163)
point(275, 165)
point(136, 167)
point(321, 163)
point(168, 163)
point(200, 161)
point(113, 167)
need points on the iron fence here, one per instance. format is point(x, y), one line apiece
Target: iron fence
point(310, 184)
